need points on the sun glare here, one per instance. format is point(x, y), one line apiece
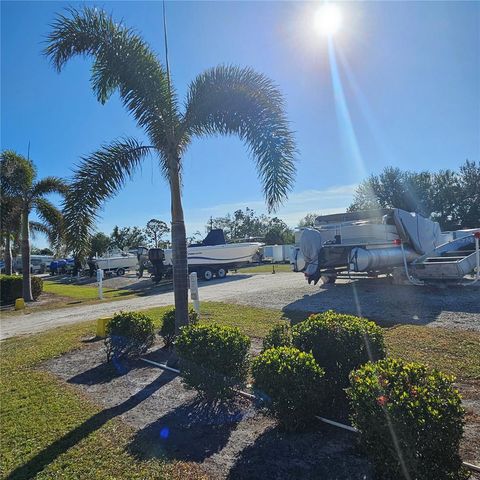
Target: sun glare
point(328, 20)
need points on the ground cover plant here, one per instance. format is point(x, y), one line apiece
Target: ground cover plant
point(292, 385)
point(51, 429)
point(129, 334)
point(410, 419)
point(214, 359)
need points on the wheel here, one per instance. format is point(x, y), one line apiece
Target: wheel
point(207, 274)
point(222, 273)
point(120, 272)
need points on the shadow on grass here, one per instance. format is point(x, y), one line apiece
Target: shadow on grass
point(192, 432)
point(327, 454)
point(60, 446)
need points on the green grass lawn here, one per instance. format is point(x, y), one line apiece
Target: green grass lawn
point(50, 430)
point(83, 292)
point(266, 268)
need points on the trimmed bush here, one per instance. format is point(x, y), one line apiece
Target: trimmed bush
point(167, 330)
point(279, 336)
point(11, 288)
point(129, 334)
point(213, 359)
point(292, 382)
point(340, 343)
point(418, 407)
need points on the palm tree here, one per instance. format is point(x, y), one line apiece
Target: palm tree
point(24, 194)
point(224, 100)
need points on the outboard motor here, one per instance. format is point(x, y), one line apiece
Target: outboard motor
point(310, 246)
point(156, 257)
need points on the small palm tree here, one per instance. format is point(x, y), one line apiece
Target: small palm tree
point(224, 100)
point(23, 194)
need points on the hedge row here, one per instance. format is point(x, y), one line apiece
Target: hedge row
point(11, 288)
point(409, 417)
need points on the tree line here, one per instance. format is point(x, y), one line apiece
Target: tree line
point(450, 197)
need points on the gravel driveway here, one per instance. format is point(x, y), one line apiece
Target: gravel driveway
point(455, 307)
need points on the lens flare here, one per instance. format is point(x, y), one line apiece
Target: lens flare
point(328, 20)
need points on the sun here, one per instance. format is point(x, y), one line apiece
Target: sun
point(328, 20)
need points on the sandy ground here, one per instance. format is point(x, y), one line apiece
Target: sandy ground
point(454, 307)
point(235, 441)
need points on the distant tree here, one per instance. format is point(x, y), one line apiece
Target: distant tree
point(241, 224)
point(127, 237)
point(278, 233)
point(99, 244)
point(194, 237)
point(155, 230)
point(41, 251)
point(18, 182)
point(394, 188)
point(247, 224)
point(308, 220)
point(469, 201)
point(449, 197)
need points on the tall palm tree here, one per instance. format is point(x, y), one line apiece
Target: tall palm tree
point(224, 100)
point(19, 186)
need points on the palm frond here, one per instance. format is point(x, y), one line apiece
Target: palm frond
point(98, 177)
point(52, 219)
point(38, 227)
point(49, 185)
point(232, 100)
point(122, 60)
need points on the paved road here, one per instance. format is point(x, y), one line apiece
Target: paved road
point(456, 307)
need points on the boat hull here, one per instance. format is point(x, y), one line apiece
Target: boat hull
point(228, 254)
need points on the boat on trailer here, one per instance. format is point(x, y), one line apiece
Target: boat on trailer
point(404, 244)
point(213, 257)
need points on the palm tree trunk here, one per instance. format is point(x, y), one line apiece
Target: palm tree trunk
point(27, 284)
point(8, 254)
point(179, 255)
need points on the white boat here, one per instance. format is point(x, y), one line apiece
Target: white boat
point(227, 254)
point(212, 257)
point(116, 262)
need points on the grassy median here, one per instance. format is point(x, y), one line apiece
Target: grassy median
point(49, 429)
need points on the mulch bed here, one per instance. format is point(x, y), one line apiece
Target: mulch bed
point(235, 440)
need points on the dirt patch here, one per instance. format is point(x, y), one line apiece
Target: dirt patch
point(237, 440)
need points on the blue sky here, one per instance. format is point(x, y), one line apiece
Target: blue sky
point(409, 73)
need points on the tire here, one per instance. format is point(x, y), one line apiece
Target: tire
point(207, 274)
point(120, 272)
point(222, 272)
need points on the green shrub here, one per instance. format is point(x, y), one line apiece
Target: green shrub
point(279, 336)
point(293, 384)
point(167, 330)
point(129, 334)
point(213, 358)
point(418, 407)
point(11, 288)
point(340, 343)
point(37, 287)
